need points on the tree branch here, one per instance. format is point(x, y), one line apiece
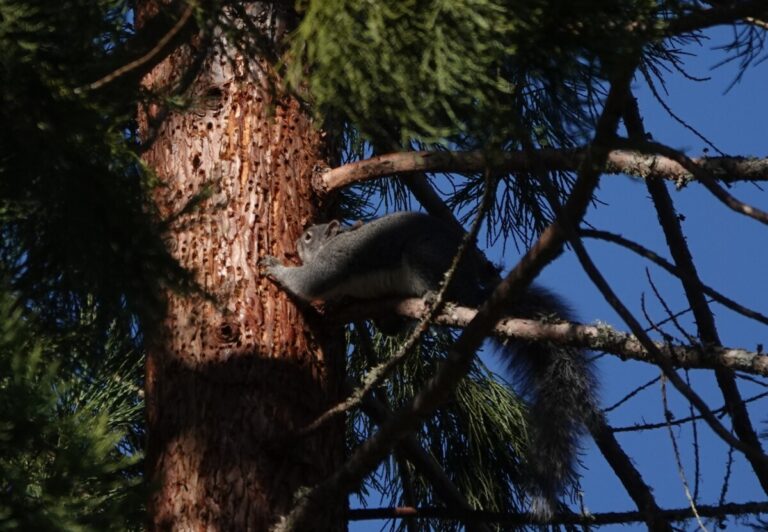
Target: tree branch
point(656, 259)
point(439, 388)
point(752, 20)
point(422, 460)
point(659, 359)
point(639, 427)
point(677, 514)
point(716, 16)
point(703, 175)
point(692, 286)
point(150, 45)
point(628, 475)
point(630, 162)
point(596, 337)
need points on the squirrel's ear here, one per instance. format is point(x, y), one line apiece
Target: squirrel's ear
point(333, 228)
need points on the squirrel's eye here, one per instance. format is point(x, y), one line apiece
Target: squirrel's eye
point(307, 237)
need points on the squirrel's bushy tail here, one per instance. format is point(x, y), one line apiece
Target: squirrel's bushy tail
point(561, 387)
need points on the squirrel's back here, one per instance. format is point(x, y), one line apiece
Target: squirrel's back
point(405, 253)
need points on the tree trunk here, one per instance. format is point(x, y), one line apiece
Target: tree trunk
point(232, 374)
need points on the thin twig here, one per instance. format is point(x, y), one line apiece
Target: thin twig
point(511, 519)
point(676, 452)
point(660, 261)
point(705, 321)
point(719, 412)
point(630, 395)
point(133, 65)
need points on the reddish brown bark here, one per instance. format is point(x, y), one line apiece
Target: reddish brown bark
point(231, 376)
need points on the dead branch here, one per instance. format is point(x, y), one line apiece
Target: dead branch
point(600, 337)
point(630, 162)
point(439, 388)
point(677, 514)
point(692, 285)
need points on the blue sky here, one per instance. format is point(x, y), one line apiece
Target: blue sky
point(731, 254)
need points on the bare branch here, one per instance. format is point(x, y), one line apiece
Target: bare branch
point(733, 203)
point(706, 178)
point(629, 475)
point(660, 261)
point(153, 55)
point(683, 420)
point(678, 460)
point(610, 296)
point(439, 388)
point(676, 514)
point(596, 337)
point(630, 162)
point(717, 16)
point(705, 320)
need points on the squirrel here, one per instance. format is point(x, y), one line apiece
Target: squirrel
point(406, 254)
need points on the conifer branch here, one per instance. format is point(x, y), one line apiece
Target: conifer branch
point(425, 464)
point(663, 263)
point(718, 511)
point(624, 161)
point(155, 54)
point(724, 13)
point(692, 286)
point(598, 337)
point(439, 388)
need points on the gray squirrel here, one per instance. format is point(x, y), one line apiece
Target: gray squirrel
point(406, 254)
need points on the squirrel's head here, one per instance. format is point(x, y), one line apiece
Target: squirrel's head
point(313, 239)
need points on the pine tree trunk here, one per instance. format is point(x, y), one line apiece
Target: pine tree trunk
point(229, 377)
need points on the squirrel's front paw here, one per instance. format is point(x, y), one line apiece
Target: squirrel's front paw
point(269, 263)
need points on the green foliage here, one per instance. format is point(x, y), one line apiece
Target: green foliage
point(73, 199)
point(478, 438)
point(469, 72)
point(81, 261)
point(67, 456)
